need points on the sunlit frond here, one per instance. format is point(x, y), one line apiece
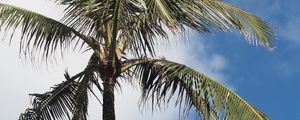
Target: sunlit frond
point(255, 30)
point(39, 33)
point(162, 79)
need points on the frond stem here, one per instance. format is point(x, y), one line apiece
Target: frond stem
point(114, 34)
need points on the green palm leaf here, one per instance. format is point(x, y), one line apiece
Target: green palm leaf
point(39, 33)
point(160, 79)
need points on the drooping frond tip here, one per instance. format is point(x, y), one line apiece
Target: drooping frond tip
point(255, 30)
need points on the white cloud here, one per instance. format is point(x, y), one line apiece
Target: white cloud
point(18, 80)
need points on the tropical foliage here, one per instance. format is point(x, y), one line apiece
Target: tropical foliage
point(122, 35)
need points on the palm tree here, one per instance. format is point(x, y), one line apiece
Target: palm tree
point(122, 35)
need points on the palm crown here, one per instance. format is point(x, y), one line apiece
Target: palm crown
point(112, 28)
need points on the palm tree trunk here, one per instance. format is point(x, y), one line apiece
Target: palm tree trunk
point(109, 99)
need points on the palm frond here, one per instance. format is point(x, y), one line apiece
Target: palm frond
point(39, 33)
point(161, 10)
point(255, 30)
point(162, 79)
point(68, 100)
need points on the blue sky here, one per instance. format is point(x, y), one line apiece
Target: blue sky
point(268, 80)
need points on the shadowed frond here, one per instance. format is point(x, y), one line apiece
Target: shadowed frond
point(68, 100)
point(88, 16)
point(162, 79)
point(39, 33)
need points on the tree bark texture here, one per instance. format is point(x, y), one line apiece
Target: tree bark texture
point(109, 99)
